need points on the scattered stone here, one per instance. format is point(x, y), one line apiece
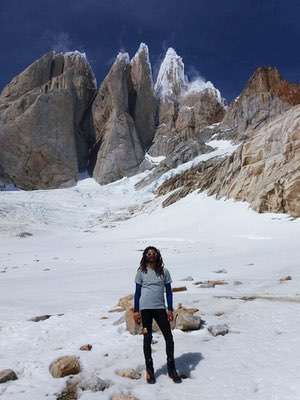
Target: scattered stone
point(40, 318)
point(237, 283)
point(206, 285)
point(70, 392)
point(46, 269)
point(78, 383)
point(248, 298)
point(65, 365)
point(211, 283)
point(24, 234)
point(188, 278)
point(219, 313)
point(129, 373)
point(216, 282)
point(7, 375)
point(93, 383)
point(285, 278)
point(118, 309)
point(86, 347)
point(104, 317)
point(220, 329)
point(220, 271)
point(179, 289)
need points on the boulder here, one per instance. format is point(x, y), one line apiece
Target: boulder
point(7, 375)
point(219, 329)
point(65, 365)
point(133, 327)
point(285, 279)
point(86, 347)
point(130, 373)
point(78, 383)
point(185, 320)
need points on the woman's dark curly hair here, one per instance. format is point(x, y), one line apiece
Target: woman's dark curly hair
point(159, 268)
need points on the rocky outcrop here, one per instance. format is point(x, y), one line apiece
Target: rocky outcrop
point(119, 150)
point(264, 170)
point(44, 125)
point(265, 96)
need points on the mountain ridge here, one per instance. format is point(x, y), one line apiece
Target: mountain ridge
point(69, 125)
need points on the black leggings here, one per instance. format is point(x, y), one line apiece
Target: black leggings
point(160, 316)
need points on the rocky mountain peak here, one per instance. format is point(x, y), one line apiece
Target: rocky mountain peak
point(263, 79)
point(142, 102)
point(141, 67)
point(265, 96)
point(171, 80)
point(269, 79)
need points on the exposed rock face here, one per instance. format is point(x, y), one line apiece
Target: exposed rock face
point(119, 150)
point(143, 102)
point(265, 170)
point(265, 96)
point(44, 126)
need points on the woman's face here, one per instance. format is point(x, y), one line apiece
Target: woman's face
point(151, 255)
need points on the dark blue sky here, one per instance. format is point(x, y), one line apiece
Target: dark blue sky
point(224, 40)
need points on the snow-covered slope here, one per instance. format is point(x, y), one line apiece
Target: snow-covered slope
point(85, 246)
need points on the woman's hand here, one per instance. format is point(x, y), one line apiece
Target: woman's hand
point(170, 315)
point(137, 317)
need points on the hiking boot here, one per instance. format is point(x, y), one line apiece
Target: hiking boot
point(173, 374)
point(150, 377)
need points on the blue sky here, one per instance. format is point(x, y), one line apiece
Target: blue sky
point(223, 41)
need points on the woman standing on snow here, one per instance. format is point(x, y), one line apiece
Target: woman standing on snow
point(151, 280)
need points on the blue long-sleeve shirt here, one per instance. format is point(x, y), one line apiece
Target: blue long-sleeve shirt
point(137, 295)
